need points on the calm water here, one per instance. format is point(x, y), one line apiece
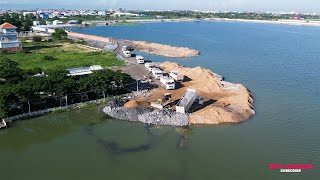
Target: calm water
point(278, 63)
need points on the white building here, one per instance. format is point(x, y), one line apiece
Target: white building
point(119, 14)
point(57, 22)
point(102, 13)
point(36, 23)
point(25, 13)
point(83, 70)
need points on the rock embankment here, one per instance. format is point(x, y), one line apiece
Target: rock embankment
point(116, 109)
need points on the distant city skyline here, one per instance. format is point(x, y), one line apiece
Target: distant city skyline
point(234, 5)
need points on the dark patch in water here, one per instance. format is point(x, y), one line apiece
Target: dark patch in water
point(115, 148)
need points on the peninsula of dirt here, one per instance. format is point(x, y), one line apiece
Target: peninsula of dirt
point(163, 50)
point(224, 102)
point(142, 46)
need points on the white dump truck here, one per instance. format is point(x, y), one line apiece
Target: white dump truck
point(167, 82)
point(149, 66)
point(124, 48)
point(140, 59)
point(187, 100)
point(127, 53)
point(157, 73)
point(177, 77)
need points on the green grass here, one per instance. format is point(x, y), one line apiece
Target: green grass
point(126, 24)
point(65, 55)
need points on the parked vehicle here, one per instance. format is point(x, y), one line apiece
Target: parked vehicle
point(127, 53)
point(177, 77)
point(167, 82)
point(140, 59)
point(157, 73)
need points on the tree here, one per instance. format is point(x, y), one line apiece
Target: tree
point(9, 71)
point(59, 34)
point(37, 38)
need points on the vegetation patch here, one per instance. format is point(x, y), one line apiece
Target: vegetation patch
point(60, 55)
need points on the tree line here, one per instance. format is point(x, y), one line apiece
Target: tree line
point(19, 88)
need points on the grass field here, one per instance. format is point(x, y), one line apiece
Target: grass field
point(64, 55)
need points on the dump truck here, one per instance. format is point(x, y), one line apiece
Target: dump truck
point(140, 59)
point(127, 53)
point(186, 102)
point(177, 77)
point(167, 82)
point(157, 73)
point(149, 66)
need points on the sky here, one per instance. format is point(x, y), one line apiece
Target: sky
point(241, 5)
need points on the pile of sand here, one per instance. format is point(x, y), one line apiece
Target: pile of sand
point(230, 102)
point(163, 50)
point(134, 103)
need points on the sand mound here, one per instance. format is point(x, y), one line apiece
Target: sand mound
point(231, 102)
point(134, 103)
point(163, 50)
point(197, 78)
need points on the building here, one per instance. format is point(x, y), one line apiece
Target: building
point(102, 13)
point(57, 22)
point(84, 70)
point(73, 22)
point(36, 23)
point(297, 17)
point(121, 14)
point(26, 13)
point(9, 38)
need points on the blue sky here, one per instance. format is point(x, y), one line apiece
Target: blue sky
point(263, 5)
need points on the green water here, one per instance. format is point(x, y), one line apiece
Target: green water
point(278, 63)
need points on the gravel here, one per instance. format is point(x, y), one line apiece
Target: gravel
point(146, 115)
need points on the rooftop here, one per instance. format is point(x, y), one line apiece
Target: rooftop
point(7, 26)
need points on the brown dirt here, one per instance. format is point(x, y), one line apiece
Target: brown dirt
point(134, 103)
point(224, 102)
point(163, 50)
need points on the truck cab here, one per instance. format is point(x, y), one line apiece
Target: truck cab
point(167, 82)
point(157, 73)
point(127, 53)
point(140, 59)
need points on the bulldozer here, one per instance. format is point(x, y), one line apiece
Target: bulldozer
point(167, 97)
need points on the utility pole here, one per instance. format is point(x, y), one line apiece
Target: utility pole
point(66, 101)
point(29, 106)
point(137, 86)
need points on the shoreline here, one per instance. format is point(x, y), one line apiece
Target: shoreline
point(279, 21)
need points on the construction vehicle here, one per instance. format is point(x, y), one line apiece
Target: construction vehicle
point(186, 102)
point(140, 59)
point(177, 77)
point(167, 82)
point(166, 99)
point(157, 73)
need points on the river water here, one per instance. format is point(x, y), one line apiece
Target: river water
point(278, 63)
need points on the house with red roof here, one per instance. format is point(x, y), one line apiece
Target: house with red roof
point(9, 38)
